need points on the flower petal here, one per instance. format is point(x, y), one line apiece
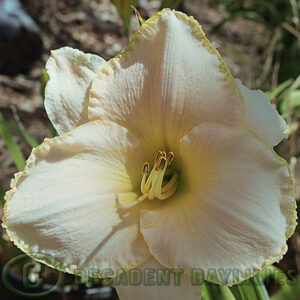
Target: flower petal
point(167, 81)
point(66, 95)
point(261, 116)
point(175, 285)
point(63, 204)
point(233, 211)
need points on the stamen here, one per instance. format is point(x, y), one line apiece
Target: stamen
point(155, 185)
point(168, 193)
point(158, 156)
point(170, 158)
point(162, 163)
point(145, 173)
point(149, 180)
point(146, 169)
point(172, 181)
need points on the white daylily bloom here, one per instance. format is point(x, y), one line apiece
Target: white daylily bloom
point(172, 165)
point(261, 116)
point(67, 93)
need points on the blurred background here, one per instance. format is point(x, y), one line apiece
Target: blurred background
point(258, 39)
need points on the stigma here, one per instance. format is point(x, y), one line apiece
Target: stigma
point(160, 183)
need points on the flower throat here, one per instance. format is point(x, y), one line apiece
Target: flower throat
point(160, 183)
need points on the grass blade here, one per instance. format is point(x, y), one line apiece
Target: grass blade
point(210, 291)
point(260, 287)
point(27, 137)
point(226, 293)
point(11, 145)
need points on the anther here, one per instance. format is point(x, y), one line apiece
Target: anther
point(146, 169)
point(145, 173)
point(170, 157)
point(162, 163)
point(158, 156)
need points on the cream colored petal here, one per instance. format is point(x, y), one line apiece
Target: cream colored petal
point(152, 281)
point(261, 116)
point(63, 204)
point(66, 96)
point(167, 81)
point(234, 210)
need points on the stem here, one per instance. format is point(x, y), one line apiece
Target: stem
point(260, 287)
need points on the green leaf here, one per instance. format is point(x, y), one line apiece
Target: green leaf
point(210, 291)
point(260, 288)
point(236, 292)
point(125, 12)
point(226, 293)
point(247, 290)
point(295, 98)
point(250, 289)
point(28, 138)
point(11, 145)
point(290, 286)
point(279, 89)
point(43, 81)
point(288, 291)
point(290, 103)
point(52, 129)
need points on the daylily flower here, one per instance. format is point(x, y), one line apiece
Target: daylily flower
point(163, 161)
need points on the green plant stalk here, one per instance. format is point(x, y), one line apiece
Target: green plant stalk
point(250, 289)
point(209, 290)
point(226, 293)
point(279, 89)
point(260, 287)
